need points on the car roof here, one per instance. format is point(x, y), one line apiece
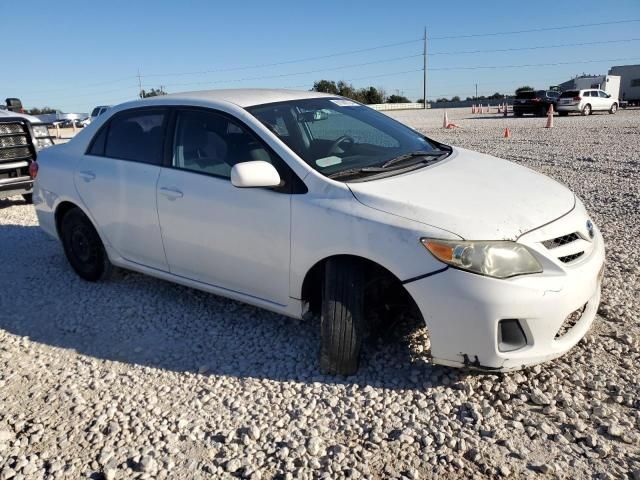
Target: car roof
point(247, 97)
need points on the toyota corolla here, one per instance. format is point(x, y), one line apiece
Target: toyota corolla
point(303, 203)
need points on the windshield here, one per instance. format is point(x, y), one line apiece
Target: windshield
point(335, 134)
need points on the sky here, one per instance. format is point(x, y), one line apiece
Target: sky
point(73, 55)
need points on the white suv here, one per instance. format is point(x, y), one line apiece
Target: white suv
point(586, 101)
point(303, 201)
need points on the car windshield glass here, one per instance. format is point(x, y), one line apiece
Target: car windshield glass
point(570, 94)
point(335, 134)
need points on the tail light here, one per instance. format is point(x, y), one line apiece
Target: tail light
point(33, 169)
point(577, 99)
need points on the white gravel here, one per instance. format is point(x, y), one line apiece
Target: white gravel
point(139, 378)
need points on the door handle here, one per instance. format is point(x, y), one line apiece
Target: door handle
point(87, 175)
point(171, 192)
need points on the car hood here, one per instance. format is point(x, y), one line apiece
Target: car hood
point(472, 195)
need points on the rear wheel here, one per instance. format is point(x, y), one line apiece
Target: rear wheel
point(28, 197)
point(342, 323)
point(613, 109)
point(83, 247)
point(586, 110)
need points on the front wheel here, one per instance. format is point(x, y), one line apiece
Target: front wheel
point(586, 110)
point(342, 323)
point(613, 109)
point(83, 247)
point(28, 197)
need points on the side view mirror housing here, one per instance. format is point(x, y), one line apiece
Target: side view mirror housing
point(254, 174)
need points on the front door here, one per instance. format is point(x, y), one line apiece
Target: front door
point(215, 233)
point(117, 180)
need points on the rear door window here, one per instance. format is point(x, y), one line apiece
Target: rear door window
point(137, 135)
point(570, 94)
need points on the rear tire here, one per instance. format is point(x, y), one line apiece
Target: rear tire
point(83, 247)
point(28, 197)
point(586, 110)
point(342, 323)
point(613, 109)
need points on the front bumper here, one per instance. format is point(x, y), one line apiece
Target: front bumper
point(462, 310)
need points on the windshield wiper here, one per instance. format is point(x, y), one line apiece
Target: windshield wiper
point(399, 162)
point(409, 156)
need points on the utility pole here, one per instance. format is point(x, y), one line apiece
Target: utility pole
point(424, 79)
point(476, 92)
point(139, 83)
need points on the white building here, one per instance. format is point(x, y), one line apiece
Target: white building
point(629, 82)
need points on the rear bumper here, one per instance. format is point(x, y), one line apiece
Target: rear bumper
point(463, 310)
point(531, 108)
point(569, 108)
point(16, 188)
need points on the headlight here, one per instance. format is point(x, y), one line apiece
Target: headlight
point(499, 259)
point(40, 131)
point(43, 143)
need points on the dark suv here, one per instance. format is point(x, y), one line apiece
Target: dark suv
point(536, 102)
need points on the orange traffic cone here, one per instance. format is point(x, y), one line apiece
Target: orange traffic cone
point(445, 120)
point(451, 126)
point(549, 117)
point(507, 133)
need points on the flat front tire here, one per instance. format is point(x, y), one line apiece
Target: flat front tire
point(28, 197)
point(342, 323)
point(83, 247)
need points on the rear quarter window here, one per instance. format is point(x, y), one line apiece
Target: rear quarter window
point(570, 94)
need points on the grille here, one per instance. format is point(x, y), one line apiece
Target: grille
point(570, 258)
point(8, 128)
point(12, 141)
point(560, 241)
point(14, 153)
point(571, 320)
point(15, 143)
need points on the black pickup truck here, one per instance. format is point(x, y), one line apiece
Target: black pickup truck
point(21, 138)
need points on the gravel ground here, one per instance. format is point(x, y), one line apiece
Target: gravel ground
point(139, 378)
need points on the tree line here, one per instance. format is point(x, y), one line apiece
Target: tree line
point(366, 95)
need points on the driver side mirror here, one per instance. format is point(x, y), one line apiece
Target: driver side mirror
point(257, 173)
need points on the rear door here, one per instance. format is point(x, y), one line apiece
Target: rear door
point(117, 178)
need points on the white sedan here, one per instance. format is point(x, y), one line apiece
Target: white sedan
point(303, 202)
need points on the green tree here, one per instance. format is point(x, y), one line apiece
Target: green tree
point(372, 95)
point(41, 111)
point(526, 88)
point(326, 86)
point(398, 99)
point(154, 92)
point(455, 99)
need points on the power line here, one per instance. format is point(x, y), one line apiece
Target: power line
point(285, 62)
point(582, 44)
point(350, 52)
point(292, 74)
point(481, 67)
point(543, 29)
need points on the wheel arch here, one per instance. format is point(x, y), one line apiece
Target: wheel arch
point(311, 287)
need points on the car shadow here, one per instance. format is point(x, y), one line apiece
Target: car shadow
point(140, 320)
point(11, 202)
